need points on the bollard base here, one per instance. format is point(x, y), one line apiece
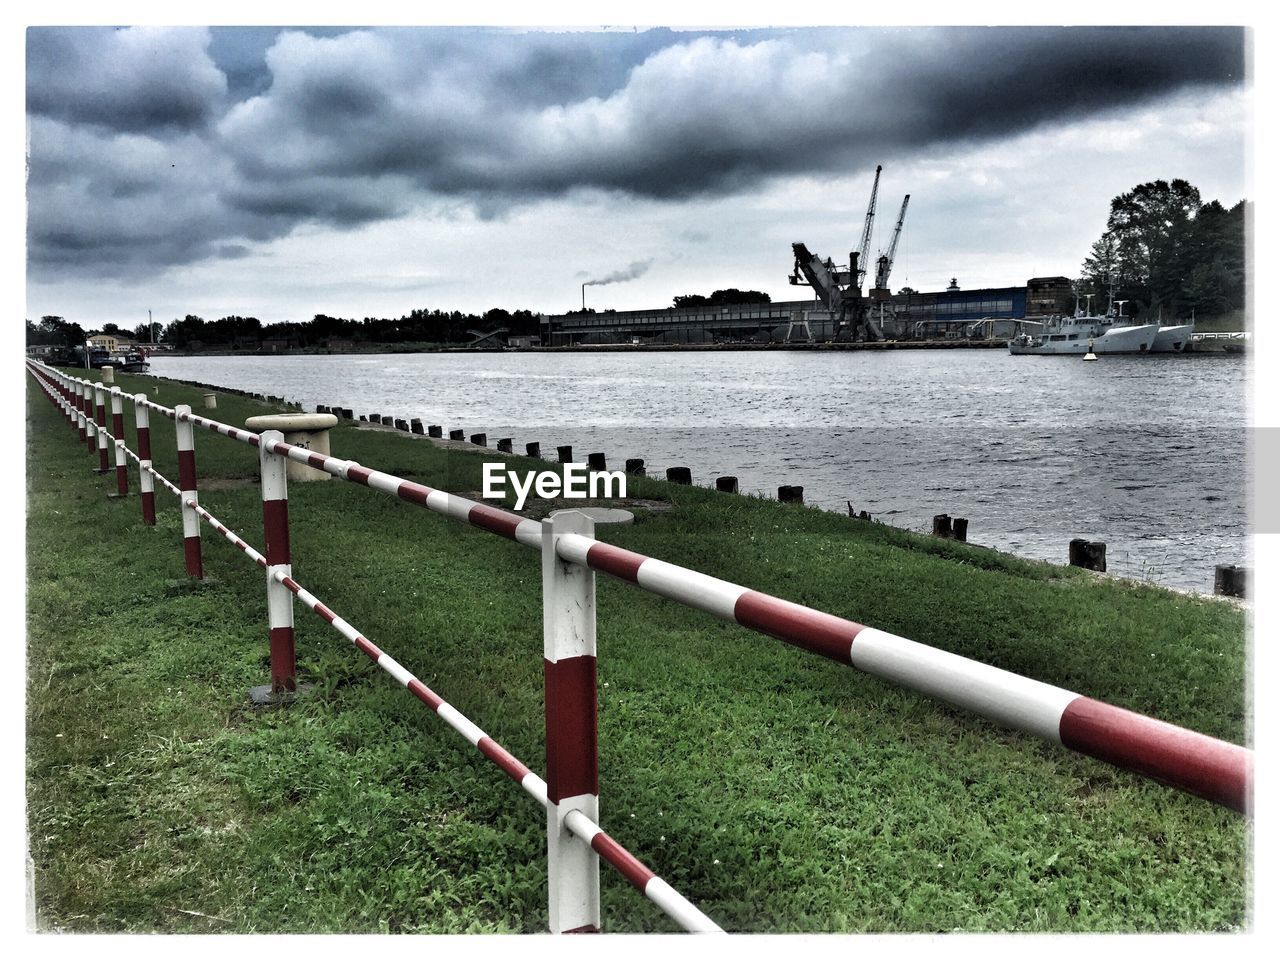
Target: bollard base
point(261, 696)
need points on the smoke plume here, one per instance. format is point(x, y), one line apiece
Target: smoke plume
point(636, 269)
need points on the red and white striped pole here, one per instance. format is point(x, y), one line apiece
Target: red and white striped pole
point(187, 483)
point(100, 418)
point(275, 527)
point(573, 779)
point(81, 418)
point(146, 483)
point(65, 392)
point(117, 428)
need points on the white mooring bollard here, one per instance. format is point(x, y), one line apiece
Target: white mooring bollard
point(307, 430)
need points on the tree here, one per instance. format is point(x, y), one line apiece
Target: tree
point(734, 295)
point(689, 300)
point(718, 298)
point(182, 333)
point(1166, 249)
point(142, 332)
point(1151, 228)
point(57, 331)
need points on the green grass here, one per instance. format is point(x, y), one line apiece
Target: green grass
point(777, 790)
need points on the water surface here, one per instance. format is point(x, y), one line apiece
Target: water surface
point(1144, 453)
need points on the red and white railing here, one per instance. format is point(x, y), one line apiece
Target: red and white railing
point(1199, 764)
point(574, 835)
point(1219, 771)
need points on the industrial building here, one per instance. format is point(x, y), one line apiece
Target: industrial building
point(946, 314)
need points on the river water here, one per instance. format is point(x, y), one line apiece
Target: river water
point(1145, 453)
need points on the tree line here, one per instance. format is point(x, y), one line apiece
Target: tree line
point(1169, 251)
point(729, 295)
point(250, 333)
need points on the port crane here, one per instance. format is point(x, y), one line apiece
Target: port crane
point(885, 263)
point(840, 291)
point(864, 246)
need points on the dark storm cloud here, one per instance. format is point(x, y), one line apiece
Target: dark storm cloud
point(137, 80)
point(350, 126)
point(694, 116)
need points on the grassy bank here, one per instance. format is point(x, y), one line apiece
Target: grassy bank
point(777, 790)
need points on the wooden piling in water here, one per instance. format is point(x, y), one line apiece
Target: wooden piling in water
point(504, 445)
point(727, 484)
point(565, 453)
point(1229, 580)
point(791, 494)
point(1091, 555)
point(533, 449)
point(680, 475)
point(635, 466)
point(595, 461)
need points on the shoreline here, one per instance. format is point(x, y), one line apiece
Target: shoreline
point(1202, 348)
point(359, 422)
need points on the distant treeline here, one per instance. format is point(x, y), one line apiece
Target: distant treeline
point(719, 298)
point(250, 333)
point(1167, 251)
point(323, 331)
point(417, 326)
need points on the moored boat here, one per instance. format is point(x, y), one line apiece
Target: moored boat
point(1071, 336)
point(132, 363)
point(1173, 339)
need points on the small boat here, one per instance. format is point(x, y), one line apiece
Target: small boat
point(131, 362)
point(134, 363)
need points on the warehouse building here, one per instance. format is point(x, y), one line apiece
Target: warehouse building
point(946, 314)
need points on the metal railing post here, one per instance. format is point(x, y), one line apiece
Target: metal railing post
point(65, 393)
point(100, 418)
point(117, 428)
point(573, 780)
point(275, 528)
point(187, 484)
point(81, 420)
point(146, 482)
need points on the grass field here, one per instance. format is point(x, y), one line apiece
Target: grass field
point(777, 790)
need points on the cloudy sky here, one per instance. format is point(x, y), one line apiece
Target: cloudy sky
point(282, 172)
